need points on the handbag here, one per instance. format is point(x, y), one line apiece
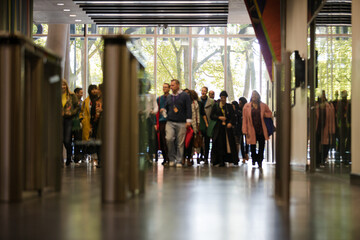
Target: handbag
point(188, 136)
point(210, 129)
point(269, 126)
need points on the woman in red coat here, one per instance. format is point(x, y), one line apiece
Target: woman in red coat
point(254, 126)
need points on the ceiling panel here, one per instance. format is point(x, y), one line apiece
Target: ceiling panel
point(149, 12)
point(335, 13)
point(48, 11)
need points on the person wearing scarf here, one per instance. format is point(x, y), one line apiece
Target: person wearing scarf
point(224, 145)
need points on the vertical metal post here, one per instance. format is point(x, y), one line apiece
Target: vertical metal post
point(16, 17)
point(134, 128)
point(11, 121)
point(34, 176)
point(116, 144)
point(283, 137)
point(312, 79)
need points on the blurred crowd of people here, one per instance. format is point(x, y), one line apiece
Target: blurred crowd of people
point(180, 124)
point(81, 121)
point(185, 125)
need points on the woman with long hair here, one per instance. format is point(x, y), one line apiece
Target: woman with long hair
point(85, 115)
point(70, 108)
point(96, 118)
point(189, 151)
point(254, 126)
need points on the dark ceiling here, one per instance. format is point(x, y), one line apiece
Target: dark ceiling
point(335, 13)
point(148, 12)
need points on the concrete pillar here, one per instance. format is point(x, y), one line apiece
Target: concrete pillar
point(355, 93)
point(58, 41)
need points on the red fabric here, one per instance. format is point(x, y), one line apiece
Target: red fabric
point(271, 18)
point(188, 137)
point(158, 126)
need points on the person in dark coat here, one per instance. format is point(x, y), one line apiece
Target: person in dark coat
point(237, 124)
point(244, 147)
point(224, 145)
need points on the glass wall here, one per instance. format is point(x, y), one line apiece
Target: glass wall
point(172, 54)
point(217, 57)
point(334, 46)
point(208, 64)
point(333, 96)
point(77, 56)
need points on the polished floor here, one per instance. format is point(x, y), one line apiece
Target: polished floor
point(199, 202)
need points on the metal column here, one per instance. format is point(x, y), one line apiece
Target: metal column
point(30, 142)
point(283, 118)
point(116, 144)
point(16, 17)
point(312, 79)
point(11, 121)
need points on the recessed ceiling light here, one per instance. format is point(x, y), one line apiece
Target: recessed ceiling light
point(78, 20)
point(72, 15)
point(66, 10)
point(60, 4)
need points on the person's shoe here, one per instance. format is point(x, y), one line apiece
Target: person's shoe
point(236, 164)
point(253, 162)
point(67, 163)
point(260, 164)
point(222, 165)
point(172, 164)
point(98, 166)
point(179, 165)
point(246, 157)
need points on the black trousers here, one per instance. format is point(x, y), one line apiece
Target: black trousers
point(67, 133)
point(205, 150)
point(259, 155)
point(243, 146)
point(77, 148)
point(324, 152)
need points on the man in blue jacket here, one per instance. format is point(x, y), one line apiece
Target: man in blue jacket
point(178, 111)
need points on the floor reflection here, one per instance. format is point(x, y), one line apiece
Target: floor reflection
point(197, 202)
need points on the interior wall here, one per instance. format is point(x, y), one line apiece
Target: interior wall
point(355, 89)
point(296, 39)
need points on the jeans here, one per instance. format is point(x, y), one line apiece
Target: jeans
point(175, 140)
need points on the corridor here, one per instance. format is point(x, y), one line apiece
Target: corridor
point(199, 202)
